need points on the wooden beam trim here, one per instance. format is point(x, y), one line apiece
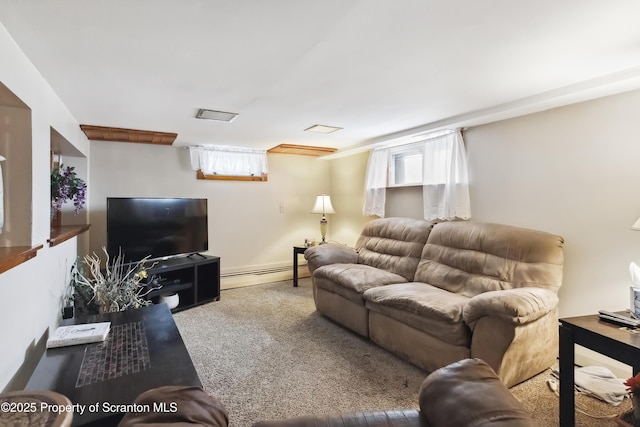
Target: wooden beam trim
point(201, 175)
point(101, 133)
point(305, 150)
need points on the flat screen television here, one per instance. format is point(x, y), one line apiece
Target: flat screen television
point(156, 227)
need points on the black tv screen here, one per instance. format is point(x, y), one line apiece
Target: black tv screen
point(156, 227)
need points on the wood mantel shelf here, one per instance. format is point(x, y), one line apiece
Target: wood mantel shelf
point(13, 256)
point(64, 233)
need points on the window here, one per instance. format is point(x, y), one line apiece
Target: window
point(229, 163)
point(438, 164)
point(406, 167)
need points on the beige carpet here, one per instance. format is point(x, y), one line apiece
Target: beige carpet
point(267, 354)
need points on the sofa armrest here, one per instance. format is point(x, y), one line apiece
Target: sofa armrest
point(469, 393)
point(516, 306)
point(187, 406)
point(329, 253)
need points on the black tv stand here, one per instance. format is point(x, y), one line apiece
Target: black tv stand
point(196, 254)
point(196, 281)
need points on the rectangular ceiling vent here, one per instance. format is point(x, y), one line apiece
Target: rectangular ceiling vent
point(220, 116)
point(322, 129)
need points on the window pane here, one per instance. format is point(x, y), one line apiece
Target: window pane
point(408, 168)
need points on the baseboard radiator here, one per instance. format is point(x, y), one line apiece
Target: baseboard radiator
point(258, 271)
point(255, 275)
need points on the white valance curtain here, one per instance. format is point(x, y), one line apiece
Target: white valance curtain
point(234, 161)
point(445, 181)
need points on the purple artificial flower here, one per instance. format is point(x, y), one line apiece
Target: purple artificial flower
point(67, 186)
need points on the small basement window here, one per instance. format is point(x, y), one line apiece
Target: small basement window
point(229, 163)
point(405, 166)
point(406, 169)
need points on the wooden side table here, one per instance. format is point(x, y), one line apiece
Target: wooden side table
point(297, 250)
point(603, 337)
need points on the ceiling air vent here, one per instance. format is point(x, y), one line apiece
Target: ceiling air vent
point(322, 129)
point(220, 116)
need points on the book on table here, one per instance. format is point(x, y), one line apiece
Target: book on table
point(79, 334)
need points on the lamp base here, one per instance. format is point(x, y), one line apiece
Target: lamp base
point(323, 230)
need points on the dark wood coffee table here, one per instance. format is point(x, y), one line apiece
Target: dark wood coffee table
point(144, 350)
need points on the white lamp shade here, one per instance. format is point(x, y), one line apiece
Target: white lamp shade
point(636, 225)
point(323, 205)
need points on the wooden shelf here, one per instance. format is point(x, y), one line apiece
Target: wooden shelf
point(102, 133)
point(13, 256)
point(169, 289)
point(64, 233)
point(304, 150)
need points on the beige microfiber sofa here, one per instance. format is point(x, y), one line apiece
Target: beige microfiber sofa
point(436, 293)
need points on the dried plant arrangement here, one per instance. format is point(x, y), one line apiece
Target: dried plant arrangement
point(119, 286)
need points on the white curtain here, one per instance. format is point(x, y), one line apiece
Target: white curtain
point(445, 180)
point(234, 161)
point(376, 183)
point(445, 189)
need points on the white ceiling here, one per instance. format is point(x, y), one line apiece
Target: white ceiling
point(377, 68)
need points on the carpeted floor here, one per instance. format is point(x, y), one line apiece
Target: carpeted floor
point(267, 354)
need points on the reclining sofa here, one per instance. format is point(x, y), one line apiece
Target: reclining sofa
point(435, 293)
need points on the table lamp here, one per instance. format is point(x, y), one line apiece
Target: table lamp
point(323, 206)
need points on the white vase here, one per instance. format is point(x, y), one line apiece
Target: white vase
point(172, 300)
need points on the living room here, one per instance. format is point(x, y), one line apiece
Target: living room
point(569, 170)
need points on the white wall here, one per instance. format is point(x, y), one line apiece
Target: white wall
point(31, 292)
point(246, 228)
point(572, 171)
point(347, 198)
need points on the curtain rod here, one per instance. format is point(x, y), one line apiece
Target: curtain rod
point(421, 137)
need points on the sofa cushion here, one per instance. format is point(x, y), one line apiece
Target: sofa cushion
point(426, 308)
point(352, 280)
point(471, 258)
point(393, 244)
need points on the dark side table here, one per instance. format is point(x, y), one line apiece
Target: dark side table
point(297, 250)
point(603, 337)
